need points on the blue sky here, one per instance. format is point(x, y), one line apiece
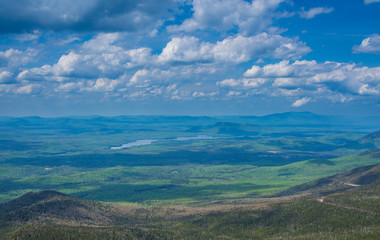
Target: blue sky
point(183, 57)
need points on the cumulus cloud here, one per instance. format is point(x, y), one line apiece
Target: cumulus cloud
point(102, 85)
point(84, 16)
point(301, 102)
point(343, 77)
point(186, 49)
point(308, 80)
point(204, 94)
point(223, 15)
point(242, 83)
point(103, 58)
point(27, 89)
point(102, 65)
point(5, 77)
point(176, 82)
point(97, 58)
point(14, 57)
point(234, 49)
point(311, 13)
point(369, 45)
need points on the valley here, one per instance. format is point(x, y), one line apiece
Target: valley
point(289, 175)
point(155, 160)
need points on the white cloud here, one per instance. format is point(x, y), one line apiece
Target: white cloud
point(15, 58)
point(301, 102)
point(223, 15)
point(309, 80)
point(366, 90)
point(311, 13)
point(235, 49)
point(199, 94)
point(67, 64)
point(286, 82)
point(5, 77)
point(27, 89)
point(103, 42)
point(369, 45)
point(233, 93)
point(102, 65)
point(244, 83)
point(186, 49)
point(229, 83)
point(69, 87)
point(99, 57)
point(253, 82)
point(103, 58)
point(285, 70)
point(102, 85)
point(140, 77)
point(254, 71)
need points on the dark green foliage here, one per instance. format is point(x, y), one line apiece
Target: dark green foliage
point(58, 232)
point(350, 215)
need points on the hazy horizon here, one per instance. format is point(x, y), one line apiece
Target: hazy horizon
point(175, 115)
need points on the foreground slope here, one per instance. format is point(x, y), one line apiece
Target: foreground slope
point(346, 214)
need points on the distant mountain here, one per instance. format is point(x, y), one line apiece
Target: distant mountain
point(286, 118)
point(97, 123)
point(308, 118)
point(337, 183)
point(293, 117)
point(228, 128)
point(234, 128)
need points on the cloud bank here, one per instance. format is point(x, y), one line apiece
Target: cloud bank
point(83, 16)
point(309, 80)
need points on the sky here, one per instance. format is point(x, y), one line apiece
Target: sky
point(189, 57)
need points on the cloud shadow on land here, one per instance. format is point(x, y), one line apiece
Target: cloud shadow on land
point(233, 156)
point(138, 193)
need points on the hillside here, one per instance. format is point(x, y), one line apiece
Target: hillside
point(346, 214)
point(368, 141)
point(37, 207)
point(340, 182)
